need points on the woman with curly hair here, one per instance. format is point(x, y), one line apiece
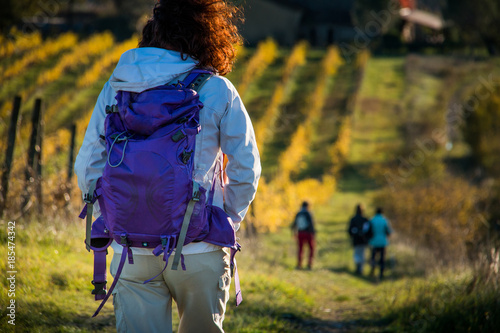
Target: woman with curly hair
point(180, 36)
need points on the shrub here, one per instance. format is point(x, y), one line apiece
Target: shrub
point(442, 215)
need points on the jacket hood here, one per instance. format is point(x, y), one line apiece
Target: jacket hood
point(147, 67)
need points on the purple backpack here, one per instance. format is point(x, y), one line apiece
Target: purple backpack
point(147, 194)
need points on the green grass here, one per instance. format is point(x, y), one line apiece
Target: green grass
point(54, 273)
point(382, 79)
point(376, 122)
point(447, 304)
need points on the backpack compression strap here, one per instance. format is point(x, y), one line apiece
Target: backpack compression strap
point(89, 199)
point(115, 280)
point(127, 250)
point(185, 224)
point(99, 280)
point(234, 272)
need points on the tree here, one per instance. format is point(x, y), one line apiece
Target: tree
point(482, 132)
point(477, 21)
point(13, 11)
point(365, 11)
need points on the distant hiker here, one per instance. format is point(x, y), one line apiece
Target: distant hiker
point(381, 231)
point(360, 233)
point(158, 86)
point(303, 229)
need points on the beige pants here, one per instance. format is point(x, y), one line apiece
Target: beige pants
point(201, 293)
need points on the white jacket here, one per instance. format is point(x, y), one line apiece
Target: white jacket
point(225, 125)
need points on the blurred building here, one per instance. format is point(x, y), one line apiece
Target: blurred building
point(321, 22)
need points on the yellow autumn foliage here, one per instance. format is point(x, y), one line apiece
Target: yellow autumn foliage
point(264, 129)
point(362, 58)
point(18, 42)
point(240, 50)
point(277, 202)
point(56, 143)
point(41, 54)
point(105, 62)
point(266, 53)
point(339, 150)
point(297, 58)
point(80, 55)
point(291, 159)
point(267, 212)
point(57, 105)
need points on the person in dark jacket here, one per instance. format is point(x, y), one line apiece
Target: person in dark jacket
point(359, 231)
point(303, 229)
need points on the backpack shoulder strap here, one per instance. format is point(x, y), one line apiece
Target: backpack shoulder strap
point(196, 79)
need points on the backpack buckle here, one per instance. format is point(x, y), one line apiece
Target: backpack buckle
point(186, 155)
point(179, 135)
point(88, 198)
point(182, 120)
point(99, 288)
point(196, 191)
point(164, 242)
point(111, 109)
point(124, 240)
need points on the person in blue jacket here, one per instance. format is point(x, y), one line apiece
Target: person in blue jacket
point(381, 230)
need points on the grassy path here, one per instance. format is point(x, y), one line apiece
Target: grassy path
point(331, 298)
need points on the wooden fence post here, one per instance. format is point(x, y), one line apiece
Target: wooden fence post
point(4, 186)
point(38, 169)
point(71, 156)
point(71, 153)
point(30, 167)
point(251, 231)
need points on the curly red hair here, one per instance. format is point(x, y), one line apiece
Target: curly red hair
point(203, 29)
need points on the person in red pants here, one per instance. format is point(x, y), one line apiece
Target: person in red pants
point(303, 229)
